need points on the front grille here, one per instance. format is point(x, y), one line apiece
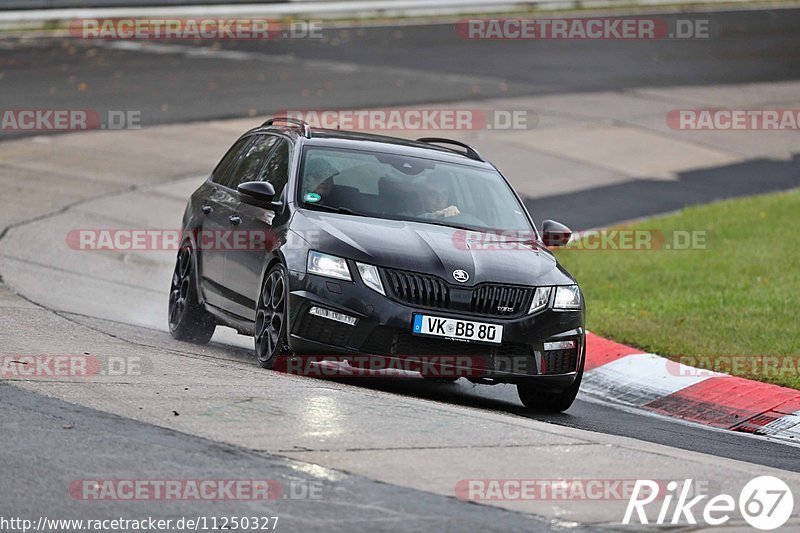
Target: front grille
point(418, 289)
point(507, 357)
point(380, 341)
point(385, 340)
point(488, 299)
point(560, 361)
point(408, 344)
point(324, 330)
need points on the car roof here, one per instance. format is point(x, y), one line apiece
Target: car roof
point(377, 143)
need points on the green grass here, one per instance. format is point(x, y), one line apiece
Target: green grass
point(738, 297)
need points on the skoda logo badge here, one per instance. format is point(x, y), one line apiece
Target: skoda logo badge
point(460, 275)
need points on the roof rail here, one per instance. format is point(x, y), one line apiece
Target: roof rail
point(296, 121)
point(471, 152)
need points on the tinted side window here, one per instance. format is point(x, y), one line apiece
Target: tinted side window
point(228, 161)
point(253, 159)
point(276, 171)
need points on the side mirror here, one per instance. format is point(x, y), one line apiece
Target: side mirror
point(259, 193)
point(555, 233)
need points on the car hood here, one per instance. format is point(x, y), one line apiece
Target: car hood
point(427, 248)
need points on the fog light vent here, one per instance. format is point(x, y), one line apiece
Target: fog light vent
point(559, 345)
point(559, 357)
point(333, 315)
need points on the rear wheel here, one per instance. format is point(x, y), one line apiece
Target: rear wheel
point(271, 318)
point(188, 320)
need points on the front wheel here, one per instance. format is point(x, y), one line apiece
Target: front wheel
point(271, 318)
point(188, 320)
point(536, 399)
point(440, 379)
point(548, 401)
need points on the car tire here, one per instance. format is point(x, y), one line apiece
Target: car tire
point(548, 401)
point(272, 317)
point(188, 319)
point(439, 379)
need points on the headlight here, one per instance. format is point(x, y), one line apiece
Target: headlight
point(568, 297)
point(328, 265)
point(540, 298)
point(370, 277)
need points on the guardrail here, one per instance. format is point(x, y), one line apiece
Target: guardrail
point(60, 4)
point(40, 11)
point(71, 4)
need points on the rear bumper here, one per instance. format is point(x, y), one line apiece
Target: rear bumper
point(384, 327)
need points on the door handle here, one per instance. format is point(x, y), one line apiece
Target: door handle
point(206, 209)
point(235, 220)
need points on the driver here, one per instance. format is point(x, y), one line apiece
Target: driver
point(433, 198)
point(319, 177)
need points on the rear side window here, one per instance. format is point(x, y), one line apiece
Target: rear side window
point(276, 171)
point(225, 167)
point(253, 159)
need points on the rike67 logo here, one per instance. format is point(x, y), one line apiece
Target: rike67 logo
point(765, 503)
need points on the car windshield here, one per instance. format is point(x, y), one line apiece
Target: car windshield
point(409, 188)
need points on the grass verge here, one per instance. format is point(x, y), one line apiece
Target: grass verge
point(725, 307)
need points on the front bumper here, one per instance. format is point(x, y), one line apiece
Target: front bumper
point(384, 328)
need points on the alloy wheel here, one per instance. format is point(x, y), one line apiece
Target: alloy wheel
point(179, 290)
point(271, 317)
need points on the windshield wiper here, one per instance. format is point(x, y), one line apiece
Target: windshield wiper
point(437, 223)
point(340, 210)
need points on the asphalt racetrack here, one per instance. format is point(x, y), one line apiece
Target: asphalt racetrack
point(192, 87)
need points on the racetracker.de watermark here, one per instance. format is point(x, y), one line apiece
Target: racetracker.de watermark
point(554, 489)
point(614, 239)
point(149, 239)
point(247, 29)
point(44, 120)
point(583, 28)
point(150, 523)
point(376, 366)
point(734, 119)
point(52, 366)
point(418, 119)
point(762, 366)
point(194, 489)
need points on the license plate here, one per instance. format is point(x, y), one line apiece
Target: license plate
point(453, 328)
